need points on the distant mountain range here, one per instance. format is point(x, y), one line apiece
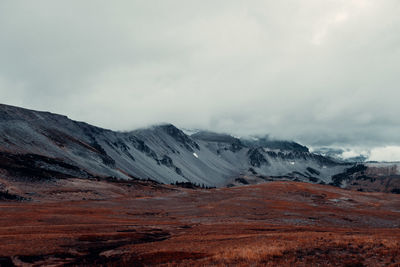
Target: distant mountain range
point(37, 146)
point(337, 153)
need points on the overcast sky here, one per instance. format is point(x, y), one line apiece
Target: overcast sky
point(320, 72)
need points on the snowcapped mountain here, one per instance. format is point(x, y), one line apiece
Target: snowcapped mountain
point(42, 145)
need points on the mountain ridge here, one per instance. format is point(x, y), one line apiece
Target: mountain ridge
point(39, 144)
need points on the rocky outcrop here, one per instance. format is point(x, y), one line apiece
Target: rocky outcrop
point(256, 158)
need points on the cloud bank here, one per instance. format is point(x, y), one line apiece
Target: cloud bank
point(320, 72)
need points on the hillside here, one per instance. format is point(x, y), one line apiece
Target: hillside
point(39, 146)
point(52, 145)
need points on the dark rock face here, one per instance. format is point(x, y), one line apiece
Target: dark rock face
point(326, 160)
point(6, 196)
point(241, 180)
point(142, 147)
point(180, 137)
point(275, 144)
point(273, 154)
point(178, 171)
point(293, 155)
point(236, 146)
point(313, 171)
point(252, 171)
point(107, 160)
point(348, 174)
point(256, 158)
point(120, 145)
point(36, 167)
point(313, 179)
point(167, 161)
point(89, 145)
point(395, 191)
point(215, 137)
point(233, 144)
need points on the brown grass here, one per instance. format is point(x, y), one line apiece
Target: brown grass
point(277, 224)
point(326, 249)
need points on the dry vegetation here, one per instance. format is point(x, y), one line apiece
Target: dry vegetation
point(315, 248)
point(145, 224)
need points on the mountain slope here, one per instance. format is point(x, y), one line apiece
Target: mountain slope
point(42, 145)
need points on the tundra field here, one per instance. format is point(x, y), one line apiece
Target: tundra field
point(75, 222)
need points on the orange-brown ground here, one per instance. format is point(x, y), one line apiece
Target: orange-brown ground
point(83, 222)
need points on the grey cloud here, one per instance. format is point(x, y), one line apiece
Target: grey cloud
point(320, 72)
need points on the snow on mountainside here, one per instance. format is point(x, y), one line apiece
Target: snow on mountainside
point(38, 145)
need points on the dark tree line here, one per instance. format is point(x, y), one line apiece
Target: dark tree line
point(192, 185)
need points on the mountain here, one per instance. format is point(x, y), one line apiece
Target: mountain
point(337, 153)
point(275, 144)
point(40, 146)
point(263, 159)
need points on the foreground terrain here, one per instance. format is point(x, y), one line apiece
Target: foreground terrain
point(142, 223)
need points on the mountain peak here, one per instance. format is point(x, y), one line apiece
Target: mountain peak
point(214, 137)
point(267, 142)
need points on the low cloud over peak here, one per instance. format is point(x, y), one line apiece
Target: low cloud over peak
point(322, 73)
